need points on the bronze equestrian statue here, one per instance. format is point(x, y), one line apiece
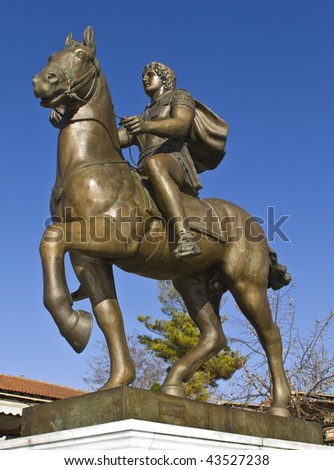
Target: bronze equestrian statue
point(104, 214)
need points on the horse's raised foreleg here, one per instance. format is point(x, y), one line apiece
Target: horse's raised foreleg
point(97, 280)
point(202, 303)
point(253, 302)
point(74, 325)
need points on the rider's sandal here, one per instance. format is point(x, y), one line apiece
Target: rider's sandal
point(186, 246)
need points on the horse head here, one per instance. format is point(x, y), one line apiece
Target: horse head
point(70, 74)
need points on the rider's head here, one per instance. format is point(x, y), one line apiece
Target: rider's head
point(166, 74)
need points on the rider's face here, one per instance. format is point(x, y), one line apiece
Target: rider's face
point(152, 82)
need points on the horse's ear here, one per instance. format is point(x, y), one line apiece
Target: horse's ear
point(89, 40)
point(69, 41)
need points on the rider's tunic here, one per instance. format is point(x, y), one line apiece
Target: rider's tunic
point(177, 148)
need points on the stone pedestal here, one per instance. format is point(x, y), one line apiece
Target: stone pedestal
point(134, 436)
point(127, 403)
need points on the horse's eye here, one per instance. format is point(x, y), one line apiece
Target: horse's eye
point(81, 55)
point(49, 59)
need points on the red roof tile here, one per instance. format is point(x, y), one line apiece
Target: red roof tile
point(22, 385)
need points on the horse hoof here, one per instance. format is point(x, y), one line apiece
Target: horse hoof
point(282, 412)
point(119, 382)
point(79, 335)
point(175, 390)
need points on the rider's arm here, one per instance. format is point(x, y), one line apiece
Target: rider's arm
point(175, 127)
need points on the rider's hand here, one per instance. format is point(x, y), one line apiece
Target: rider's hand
point(135, 125)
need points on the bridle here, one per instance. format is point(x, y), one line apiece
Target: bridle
point(76, 84)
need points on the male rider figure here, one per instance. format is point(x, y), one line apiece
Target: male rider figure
point(164, 158)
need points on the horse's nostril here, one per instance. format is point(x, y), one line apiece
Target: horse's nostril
point(52, 77)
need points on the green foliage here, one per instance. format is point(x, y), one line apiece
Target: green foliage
point(175, 337)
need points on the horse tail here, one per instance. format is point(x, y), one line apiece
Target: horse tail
point(278, 276)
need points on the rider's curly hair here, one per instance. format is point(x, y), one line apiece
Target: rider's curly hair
point(165, 73)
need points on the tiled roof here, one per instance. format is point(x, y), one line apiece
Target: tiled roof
point(22, 385)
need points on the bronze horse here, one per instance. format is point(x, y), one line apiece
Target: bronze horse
point(104, 215)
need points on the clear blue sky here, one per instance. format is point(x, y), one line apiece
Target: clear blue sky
point(267, 67)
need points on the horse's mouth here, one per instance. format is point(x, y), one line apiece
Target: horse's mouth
point(51, 100)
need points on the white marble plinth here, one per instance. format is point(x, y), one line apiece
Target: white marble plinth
point(137, 434)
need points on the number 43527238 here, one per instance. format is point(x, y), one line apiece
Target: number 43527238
point(238, 459)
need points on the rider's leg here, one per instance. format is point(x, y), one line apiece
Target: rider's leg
point(166, 176)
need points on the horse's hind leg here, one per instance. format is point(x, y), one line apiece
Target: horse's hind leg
point(202, 303)
point(98, 283)
point(253, 302)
